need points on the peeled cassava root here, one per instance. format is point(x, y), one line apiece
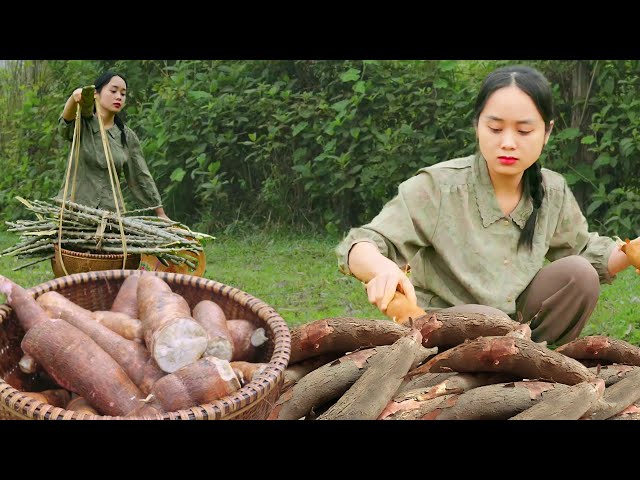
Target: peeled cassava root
point(487, 368)
point(212, 318)
point(631, 248)
point(171, 334)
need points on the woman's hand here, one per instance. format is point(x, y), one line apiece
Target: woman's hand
point(382, 288)
point(77, 95)
point(381, 276)
point(160, 213)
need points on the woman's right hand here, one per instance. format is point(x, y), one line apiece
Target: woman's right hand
point(77, 95)
point(382, 287)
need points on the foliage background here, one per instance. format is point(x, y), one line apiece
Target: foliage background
point(316, 145)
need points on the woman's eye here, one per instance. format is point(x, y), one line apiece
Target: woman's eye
point(524, 132)
point(495, 130)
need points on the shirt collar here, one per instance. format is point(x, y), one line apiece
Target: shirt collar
point(486, 198)
point(95, 127)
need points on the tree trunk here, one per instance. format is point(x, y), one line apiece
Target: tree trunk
point(580, 118)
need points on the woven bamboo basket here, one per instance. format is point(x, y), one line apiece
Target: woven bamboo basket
point(77, 262)
point(96, 291)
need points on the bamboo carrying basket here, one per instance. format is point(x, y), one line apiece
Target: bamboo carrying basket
point(77, 262)
point(96, 291)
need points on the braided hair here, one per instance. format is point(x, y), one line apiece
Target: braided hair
point(100, 82)
point(536, 86)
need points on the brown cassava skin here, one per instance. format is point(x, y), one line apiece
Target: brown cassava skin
point(29, 313)
point(245, 371)
point(498, 402)
point(570, 404)
point(616, 398)
point(434, 384)
point(420, 410)
point(247, 339)
point(446, 330)
point(172, 336)
point(427, 386)
point(523, 358)
point(80, 365)
point(198, 383)
point(632, 412)
point(297, 371)
point(328, 382)
point(212, 318)
point(599, 347)
point(323, 384)
point(126, 300)
point(58, 397)
point(80, 405)
point(342, 335)
point(489, 402)
point(612, 374)
point(121, 323)
point(133, 357)
point(369, 395)
point(58, 306)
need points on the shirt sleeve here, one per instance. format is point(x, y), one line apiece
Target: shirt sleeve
point(139, 179)
point(403, 226)
point(572, 237)
point(65, 129)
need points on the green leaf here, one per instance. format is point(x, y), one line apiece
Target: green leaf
point(341, 105)
point(299, 127)
point(350, 75)
point(588, 140)
point(568, 134)
point(252, 137)
point(441, 83)
point(447, 65)
point(593, 207)
point(360, 87)
point(178, 174)
point(199, 95)
point(602, 160)
point(571, 178)
point(627, 146)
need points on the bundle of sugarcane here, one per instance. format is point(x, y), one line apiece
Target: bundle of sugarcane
point(91, 230)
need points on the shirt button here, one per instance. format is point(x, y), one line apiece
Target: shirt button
point(507, 222)
point(509, 299)
point(506, 262)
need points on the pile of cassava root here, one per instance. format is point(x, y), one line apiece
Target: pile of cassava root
point(444, 366)
point(149, 354)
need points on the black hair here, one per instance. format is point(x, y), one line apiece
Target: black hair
point(537, 87)
point(100, 82)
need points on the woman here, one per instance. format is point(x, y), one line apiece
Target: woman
point(93, 187)
point(475, 231)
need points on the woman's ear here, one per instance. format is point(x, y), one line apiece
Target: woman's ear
point(547, 134)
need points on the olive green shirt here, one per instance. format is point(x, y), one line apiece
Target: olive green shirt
point(93, 187)
point(446, 224)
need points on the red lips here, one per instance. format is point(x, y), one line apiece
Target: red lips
point(507, 160)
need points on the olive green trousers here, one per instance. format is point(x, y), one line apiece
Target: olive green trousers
point(557, 303)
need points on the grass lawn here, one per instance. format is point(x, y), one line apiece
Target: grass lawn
point(298, 276)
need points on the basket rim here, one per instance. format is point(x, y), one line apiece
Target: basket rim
point(96, 256)
point(224, 408)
